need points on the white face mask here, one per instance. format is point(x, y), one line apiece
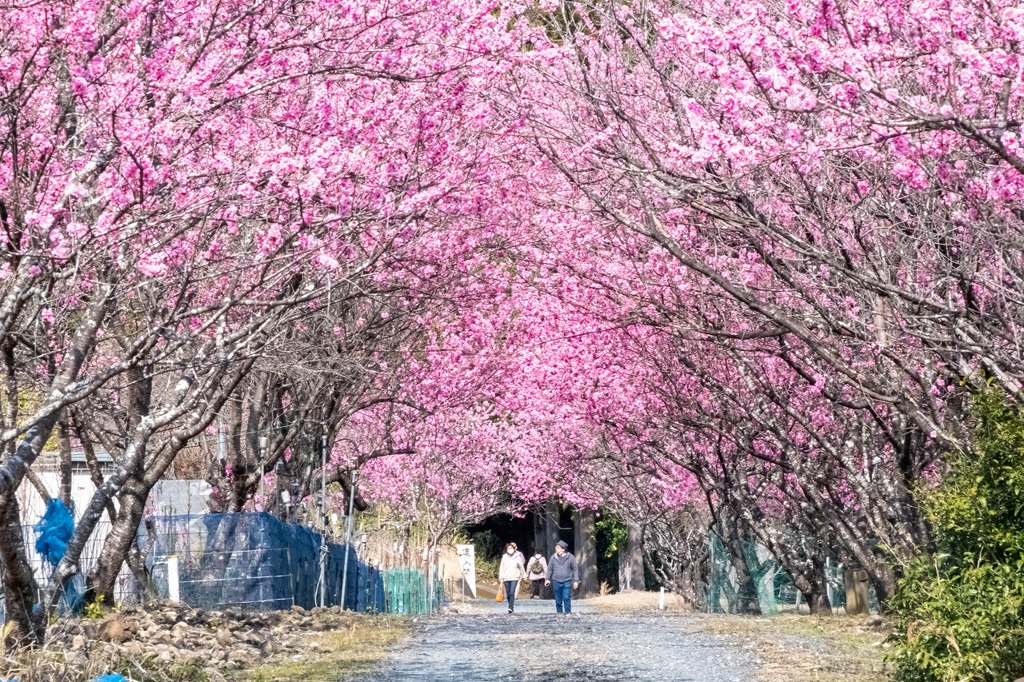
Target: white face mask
point(511, 551)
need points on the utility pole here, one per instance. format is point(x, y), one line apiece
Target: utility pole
point(262, 458)
point(323, 521)
point(348, 535)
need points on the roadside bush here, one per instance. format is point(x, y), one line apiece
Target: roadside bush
point(961, 611)
point(611, 537)
point(488, 553)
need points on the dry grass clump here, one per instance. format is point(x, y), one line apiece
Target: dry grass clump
point(803, 648)
point(51, 665)
point(333, 647)
point(340, 654)
point(634, 601)
point(789, 647)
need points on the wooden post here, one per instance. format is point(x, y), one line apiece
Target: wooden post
point(856, 591)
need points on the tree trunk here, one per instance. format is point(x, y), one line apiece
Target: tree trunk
point(814, 591)
point(745, 600)
point(552, 522)
point(540, 540)
point(20, 588)
point(586, 552)
point(136, 559)
point(38, 484)
point(234, 453)
point(64, 436)
point(120, 540)
point(631, 560)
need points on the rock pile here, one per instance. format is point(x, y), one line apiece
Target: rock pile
point(167, 632)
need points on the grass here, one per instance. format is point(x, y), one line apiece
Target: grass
point(343, 653)
point(803, 648)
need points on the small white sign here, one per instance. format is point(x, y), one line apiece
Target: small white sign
point(467, 564)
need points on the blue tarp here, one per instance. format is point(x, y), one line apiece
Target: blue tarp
point(53, 532)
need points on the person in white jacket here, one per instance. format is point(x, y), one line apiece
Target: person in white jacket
point(535, 571)
point(510, 572)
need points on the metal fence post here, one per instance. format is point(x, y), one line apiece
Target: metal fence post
point(173, 584)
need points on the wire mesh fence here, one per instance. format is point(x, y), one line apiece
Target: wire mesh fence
point(252, 560)
point(125, 587)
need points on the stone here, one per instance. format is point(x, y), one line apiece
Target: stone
point(135, 648)
point(268, 648)
point(224, 637)
point(253, 638)
point(112, 630)
point(77, 642)
point(160, 637)
point(241, 655)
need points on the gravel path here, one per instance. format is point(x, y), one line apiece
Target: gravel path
point(484, 644)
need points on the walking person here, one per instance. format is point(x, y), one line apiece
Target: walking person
point(564, 575)
point(510, 572)
point(535, 572)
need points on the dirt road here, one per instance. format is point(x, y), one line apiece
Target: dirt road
point(484, 644)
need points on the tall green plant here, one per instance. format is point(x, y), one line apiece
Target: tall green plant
point(961, 610)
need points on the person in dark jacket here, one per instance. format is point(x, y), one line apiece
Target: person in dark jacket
point(564, 575)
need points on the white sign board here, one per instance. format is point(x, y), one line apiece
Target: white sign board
point(467, 564)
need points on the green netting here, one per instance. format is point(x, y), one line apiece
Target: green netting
point(775, 589)
point(836, 584)
point(409, 592)
point(763, 568)
point(724, 595)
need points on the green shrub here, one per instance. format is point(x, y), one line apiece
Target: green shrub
point(961, 611)
point(488, 553)
point(611, 536)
